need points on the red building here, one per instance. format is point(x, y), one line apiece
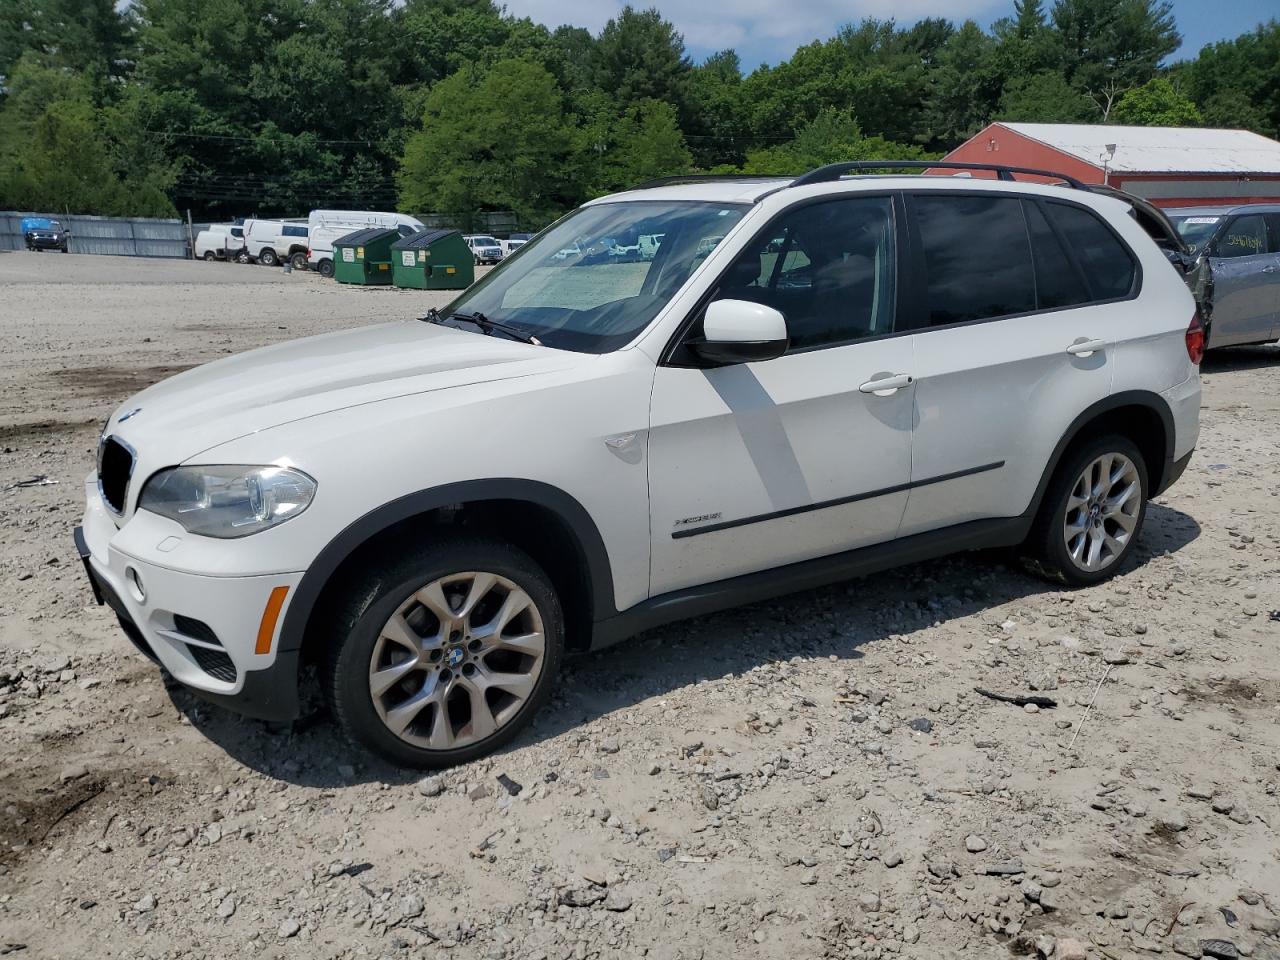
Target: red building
point(1170, 166)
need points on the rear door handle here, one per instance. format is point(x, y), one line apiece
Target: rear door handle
point(1086, 348)
point(886, 386)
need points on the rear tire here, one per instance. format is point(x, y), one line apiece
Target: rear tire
point(210, 256)
point(444, 654)
point(325, 268)
point(267, 257)
point(1092, 513)
point(298, 261)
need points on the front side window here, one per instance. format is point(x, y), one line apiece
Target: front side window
point(596, 279)
point(977, 257)
point(1196, 230)
point(827, 267)
point(1244, 237)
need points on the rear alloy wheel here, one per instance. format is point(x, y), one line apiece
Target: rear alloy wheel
point(298, 261)
point(325, 268)
point(1092, 513)
point(268, 257)
point(210, 256)
point(451, 656)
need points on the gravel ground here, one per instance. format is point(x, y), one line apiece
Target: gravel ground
point(811, 777)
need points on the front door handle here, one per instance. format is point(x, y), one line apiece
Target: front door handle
point(886, 384)
point(1086, 348)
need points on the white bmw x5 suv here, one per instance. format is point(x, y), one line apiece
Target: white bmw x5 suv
point(803, 381)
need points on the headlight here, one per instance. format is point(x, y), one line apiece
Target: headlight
point(228, 502)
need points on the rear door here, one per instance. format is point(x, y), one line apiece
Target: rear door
point(1010, 346)
point(1246, 269)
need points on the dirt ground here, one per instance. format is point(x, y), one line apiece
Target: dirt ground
point(810, 777)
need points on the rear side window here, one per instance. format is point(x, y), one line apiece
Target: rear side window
point(977, 257)
point(1058, 283)
point(1107, 263)
point(295, 231)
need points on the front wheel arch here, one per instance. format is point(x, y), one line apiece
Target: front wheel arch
point(544, 521)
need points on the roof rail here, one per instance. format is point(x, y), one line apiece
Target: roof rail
point(834, 171)
point(710, 178)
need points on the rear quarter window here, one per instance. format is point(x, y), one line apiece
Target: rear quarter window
point(1108, 264)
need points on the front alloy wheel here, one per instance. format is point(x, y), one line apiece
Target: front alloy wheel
point(441, 655)
point(457, 660)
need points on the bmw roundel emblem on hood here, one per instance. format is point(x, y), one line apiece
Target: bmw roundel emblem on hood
point(132, 413)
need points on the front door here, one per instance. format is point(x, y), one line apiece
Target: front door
point(758, 465)
point(1245, 265)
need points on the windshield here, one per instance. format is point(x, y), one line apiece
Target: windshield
point(484, 241)
point(598, 277)
point(1196, 231)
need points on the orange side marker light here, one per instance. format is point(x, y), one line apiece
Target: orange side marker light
point(267, 629)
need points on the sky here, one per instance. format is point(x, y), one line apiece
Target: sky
point(767, 31)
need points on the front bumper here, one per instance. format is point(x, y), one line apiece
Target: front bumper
point(204, 630)
point(46, 243)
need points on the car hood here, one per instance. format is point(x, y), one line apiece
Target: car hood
point(231, 398)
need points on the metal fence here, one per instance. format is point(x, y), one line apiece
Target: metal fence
point(120, 236)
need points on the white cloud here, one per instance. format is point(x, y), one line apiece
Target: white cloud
point(761, 30)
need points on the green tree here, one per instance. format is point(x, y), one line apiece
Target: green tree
point(61, 153)
point(500, 141)
point(832, 136)
point(640, 56)
point(1110, 46)
point(964, 87)
point(647, 143)
point(1157, 103)
point(1045, 98)
point(1237, 82)
point(719, 131)
point(93, 37)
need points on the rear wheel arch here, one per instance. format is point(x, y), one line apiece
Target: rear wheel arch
point(1141, 415)
point(542, 520)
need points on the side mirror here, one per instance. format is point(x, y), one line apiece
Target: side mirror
point(739, 331)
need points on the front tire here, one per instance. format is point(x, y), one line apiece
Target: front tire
point(444, 655)
point(1092, 513)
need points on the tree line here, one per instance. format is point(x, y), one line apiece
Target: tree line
point(244, 107)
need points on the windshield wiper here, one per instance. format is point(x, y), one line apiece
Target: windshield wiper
point(489, 326)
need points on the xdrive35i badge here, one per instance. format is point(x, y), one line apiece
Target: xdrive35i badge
point(704, 518)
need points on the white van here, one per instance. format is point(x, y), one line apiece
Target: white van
point(219, 241)
point(269, 242)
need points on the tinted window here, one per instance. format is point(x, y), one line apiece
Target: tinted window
point(977, 257)
point(1107, 263)
point(828, 267)
point(295, 231)
point(1058, 284)
point(1244, 237)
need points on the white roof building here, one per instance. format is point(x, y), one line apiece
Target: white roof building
point(1173, 166)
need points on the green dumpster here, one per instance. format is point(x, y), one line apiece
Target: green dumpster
point(364, 256)
point(433, 260)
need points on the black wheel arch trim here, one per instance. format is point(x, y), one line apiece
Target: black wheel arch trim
point(575, 516)
point(1116, 401)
